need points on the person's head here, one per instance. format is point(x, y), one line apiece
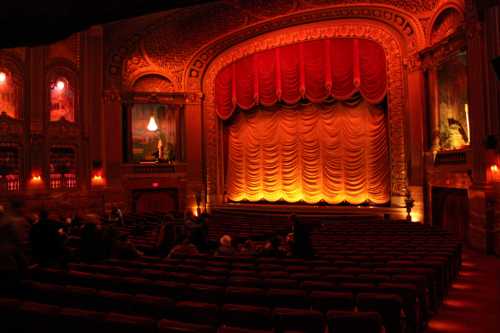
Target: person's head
point(43, 214)
point(249, 244)
point(16, 205)
point(188, 213)
point(226, 241)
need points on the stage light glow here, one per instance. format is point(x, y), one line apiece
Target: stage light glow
point(155, 184)
point(3, 77)
point(494, 168)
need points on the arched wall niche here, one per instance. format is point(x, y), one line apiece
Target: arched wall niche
point(14, 86)
point(63, 70)
point(446, 20)
point(152, 82)
point(184, 63)
point(396, 50)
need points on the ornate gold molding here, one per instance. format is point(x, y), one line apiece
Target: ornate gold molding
point(407, 28)
point(326, 29)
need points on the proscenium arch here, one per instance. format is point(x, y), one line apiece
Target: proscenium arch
point(395, 51)
point(404, 25)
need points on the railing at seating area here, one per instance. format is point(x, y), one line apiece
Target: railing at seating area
point(366, 275)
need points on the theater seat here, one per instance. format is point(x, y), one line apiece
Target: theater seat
point(329, 300)
point(250, 296)
point(197, 312)
point(226, 329)
point(295, 320)
point(354, 322)
point(116, 322)
point(291, 298)
point(174, 326)
point(388, 306)
point(246, 316)
point(79, 321)
point(154, 306)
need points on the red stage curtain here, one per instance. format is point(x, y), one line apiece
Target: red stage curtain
point(336, 153)
point(315, 70)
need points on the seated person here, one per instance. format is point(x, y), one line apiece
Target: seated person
point(226, 247)
point(124, 249)
point(247, 248)
point(186, 248)
point(116, 216)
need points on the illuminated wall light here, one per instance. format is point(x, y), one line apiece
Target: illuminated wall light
point(60, 85)
point(98, 179)
point(494, 168)
point(152, 126)
point(155, 184)
point(3, 77)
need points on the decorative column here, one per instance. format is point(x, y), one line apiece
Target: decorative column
point(195, 150)
point(415, 135)
point(113, 147)
point(481, 194)
point(91, 106)
point(434, 108)
point(37, 108)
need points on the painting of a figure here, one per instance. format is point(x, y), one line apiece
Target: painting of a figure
point(10, 95)
point(453, 105)
point(62, 101)
point(154, 132)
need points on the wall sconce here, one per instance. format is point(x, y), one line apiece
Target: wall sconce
point(152, 125)
point(36, 178)
point(3, 77)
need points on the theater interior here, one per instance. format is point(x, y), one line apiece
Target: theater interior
point(232, 166)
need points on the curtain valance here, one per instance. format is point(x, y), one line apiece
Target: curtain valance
point(315, 70)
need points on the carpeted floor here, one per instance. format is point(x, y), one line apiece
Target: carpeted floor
point(473, 303)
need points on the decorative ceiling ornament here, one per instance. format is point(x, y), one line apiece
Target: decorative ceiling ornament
point(173, 45)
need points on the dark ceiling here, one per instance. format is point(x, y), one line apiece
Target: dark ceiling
point(32, 23)
point(38, 22)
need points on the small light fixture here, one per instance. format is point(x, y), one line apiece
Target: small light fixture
point(152, 126)
point(494, 168)
point(60, 85)
point(155, 184)
point(3, 77)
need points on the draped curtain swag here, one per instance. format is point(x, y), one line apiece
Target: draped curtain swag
point(335, 153)
point(315, 70)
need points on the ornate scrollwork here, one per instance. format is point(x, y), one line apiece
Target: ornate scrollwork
point(63, 130)
point(328, 29)
point(10, 129)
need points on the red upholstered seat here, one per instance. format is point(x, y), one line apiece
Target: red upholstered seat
point(116, 322)
point(307, 321)
point(350, 322)
point(250, 296)
point(206, 293)
point(154, 306)
point(197, 312)
point(328, 300)
point(227, 329)
point(388, 306)
point(79, 321)
point(174, 326)
point(246, 316)
point(291, 298)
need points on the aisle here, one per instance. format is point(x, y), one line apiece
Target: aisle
point(473, 303)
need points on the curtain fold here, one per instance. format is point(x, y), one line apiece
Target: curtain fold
point(316, 70)
point(333, 153)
